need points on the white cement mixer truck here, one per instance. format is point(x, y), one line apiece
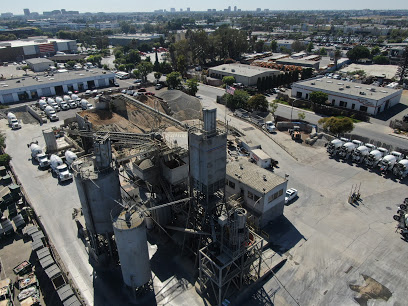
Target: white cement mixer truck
point(51, 114)
point(375, 157)
point(400, 170)
point(59, 168)
point(347, 149)
point(62, 103)
point(389, 161)
point(360, 154)
point(334, 146)
point(13, 121)
point(38, 155)
point(70, 157)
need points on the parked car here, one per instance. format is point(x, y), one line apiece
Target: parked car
point(290, 195)
point(142, 90)
point(158, 86)
point(116, 84)
point(148, 93)
point(269, 126)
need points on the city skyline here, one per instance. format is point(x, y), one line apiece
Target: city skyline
point(131, 6)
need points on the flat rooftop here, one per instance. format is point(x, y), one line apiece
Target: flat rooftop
point(297, 61)
point(349, 88)
point(243, 70)
point(34, 61)
point(254, 176)
point(387, 71)
point(30, 42)
point(57, 77)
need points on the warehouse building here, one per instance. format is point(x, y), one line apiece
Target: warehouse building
point(355, 96)
point(28, 88)
point(40, 64)
point(262, 191)
point(245, 74)
point(22, 49)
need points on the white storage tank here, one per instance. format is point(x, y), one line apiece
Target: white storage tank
point(131, 241)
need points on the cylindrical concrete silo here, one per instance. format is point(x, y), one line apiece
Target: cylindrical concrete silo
point(131, 241)
point(98, 190)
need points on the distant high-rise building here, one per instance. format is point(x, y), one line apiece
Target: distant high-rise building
point(26, 12)
point(209, 10)
point(181, 10)
point(266, 10)
point(229, 9)
point(214, 10)
point(188, 9)
point(258, 10)
point(63, 11)
point(173, 10)
point(235, 8)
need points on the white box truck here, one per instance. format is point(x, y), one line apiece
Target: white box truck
point(262, 159)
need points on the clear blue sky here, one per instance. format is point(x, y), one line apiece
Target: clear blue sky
point(148, 6)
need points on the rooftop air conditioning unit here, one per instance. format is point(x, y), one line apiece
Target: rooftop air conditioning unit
point(313, 83)
point(347, 86)
point(362, 93)
point(341, 88)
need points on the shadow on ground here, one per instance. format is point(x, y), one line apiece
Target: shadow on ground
point(282, 235)
point(391, 112)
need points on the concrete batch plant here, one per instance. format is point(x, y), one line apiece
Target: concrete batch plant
point(181, 193)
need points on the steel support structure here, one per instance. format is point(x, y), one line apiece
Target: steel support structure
point(215, 280)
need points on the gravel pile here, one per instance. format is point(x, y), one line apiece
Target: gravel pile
point(183, 106)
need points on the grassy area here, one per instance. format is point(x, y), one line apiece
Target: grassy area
point(354, 119)
point(287, 103)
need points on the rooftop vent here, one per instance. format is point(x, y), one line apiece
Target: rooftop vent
point(362, 93)
point(347, 86)
point(329, 81)
point(340, 83)
point(357, 86)
point(223, 68)
point(241, 166)
point(233, 70)
point(341, 88)
point(264, 177)
point(313, 83)
point(384, 91)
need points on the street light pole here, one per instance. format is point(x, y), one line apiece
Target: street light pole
point(291, 111)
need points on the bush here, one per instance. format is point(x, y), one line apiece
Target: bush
point(5, 160)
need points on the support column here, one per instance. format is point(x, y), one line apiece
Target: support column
point(15, 97)
point(53, 93)
point(75, 85)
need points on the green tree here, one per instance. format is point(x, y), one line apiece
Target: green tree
point(157, 76)
point(145, 68)
point(298, 46)
point(337, 125)
point(173, 80)
point(70, 64)
point(323, 51)
point(337, 55)
point(375, 51)
point(358, 52)
point(309, 47)
point(238, 100)
point(318, 97)
point(258, 102)
point(228, 80)
point(381, 60)
point(122, 67)
point(5, 160)
point(274, 45)
point(192, 86)
point(136, 73)
point(273, 106)
point(105, 67)
point(306, 73)
point(301, 115)
point(95, 59)
point(182, 64)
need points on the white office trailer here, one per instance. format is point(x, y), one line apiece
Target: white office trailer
point(361, 97)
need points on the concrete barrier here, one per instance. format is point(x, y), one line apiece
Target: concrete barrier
point(36, 115)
